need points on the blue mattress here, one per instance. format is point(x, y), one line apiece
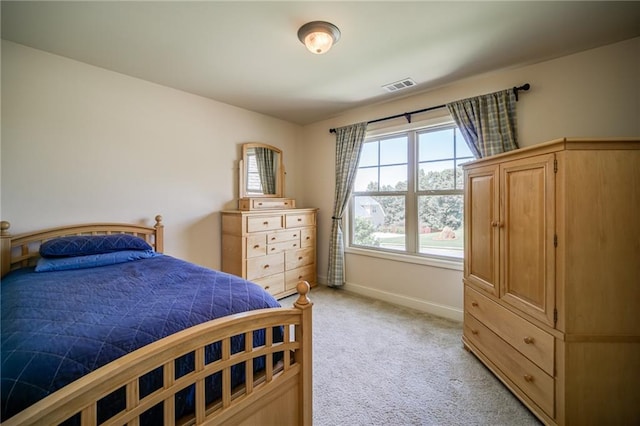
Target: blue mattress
point(59, 326)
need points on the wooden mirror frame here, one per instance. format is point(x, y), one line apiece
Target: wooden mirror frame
point(279, 184)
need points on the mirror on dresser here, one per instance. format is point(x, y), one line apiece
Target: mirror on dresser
point(261, 182)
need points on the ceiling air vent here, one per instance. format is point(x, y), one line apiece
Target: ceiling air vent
point(399, 85)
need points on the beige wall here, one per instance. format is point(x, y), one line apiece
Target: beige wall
point(83, 144)
point(594, 94)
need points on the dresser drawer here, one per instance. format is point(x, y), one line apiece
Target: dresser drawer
point(531, 341)
point(308, 237)
point(256, 245)
point(283, 246)
point(266, 203)
point(274, 284)
point(298, 258)
point(296, 220)
point(279, 236)
point(259, 267)
point(264, 223)
point(533, 381)
point(306, 273)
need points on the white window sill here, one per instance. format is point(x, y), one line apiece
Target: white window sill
point(454, 263)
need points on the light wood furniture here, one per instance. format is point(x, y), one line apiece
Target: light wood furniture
point(282, 395)
point(552, 277)
point(273, 248)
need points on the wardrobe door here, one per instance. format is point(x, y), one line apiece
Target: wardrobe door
point(481, 262)
point(527, 228)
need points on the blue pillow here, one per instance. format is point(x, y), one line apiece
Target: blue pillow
point(46, 264)
point(82, 245)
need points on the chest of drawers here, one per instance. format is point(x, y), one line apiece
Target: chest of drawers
point(274, 248)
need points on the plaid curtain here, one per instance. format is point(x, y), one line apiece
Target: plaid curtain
point(348, 146)
point(488, 122)
point(265, 158)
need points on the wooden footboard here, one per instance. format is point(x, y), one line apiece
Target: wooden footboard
point(280, 395)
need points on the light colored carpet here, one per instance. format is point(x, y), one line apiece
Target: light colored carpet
point(379, 364)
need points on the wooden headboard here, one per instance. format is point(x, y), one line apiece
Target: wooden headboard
point(23, 250)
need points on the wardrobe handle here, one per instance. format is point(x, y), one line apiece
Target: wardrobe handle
point(494, 223)
point(528, 340)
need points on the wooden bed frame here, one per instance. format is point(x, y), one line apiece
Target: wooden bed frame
point(281, 395)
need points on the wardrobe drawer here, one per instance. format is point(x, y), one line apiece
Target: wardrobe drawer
point(256, 245)
point(532, 380)
point(279, 236)
point(306, 273)
point(264, 223)
point(296, 220)
point(308, 237)
point(259, 267)
point(283, 246)
point(531, 341)
point(274, 284)
point(298, 258)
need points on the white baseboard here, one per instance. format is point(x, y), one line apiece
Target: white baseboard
point(409, 302)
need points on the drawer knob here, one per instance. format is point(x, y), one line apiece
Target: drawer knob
point(300, 258)
point(475, 304)
point(259, 204)
point(256, 246)
point(494, 223)
point(265, 223)
point(267, 287)
point(273, 238)
point(273, 248)
point(473, 331)
point(299, 219)
point(266, 266)
point(528, 378)
point(528, 340)
point(308, 238)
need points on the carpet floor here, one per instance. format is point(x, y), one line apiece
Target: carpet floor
point(375, 363)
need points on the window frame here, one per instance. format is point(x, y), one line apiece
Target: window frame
point(412, 252)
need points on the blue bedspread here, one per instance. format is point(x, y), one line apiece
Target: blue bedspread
point(59, 326)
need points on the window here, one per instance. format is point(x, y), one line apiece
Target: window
point(408, 193)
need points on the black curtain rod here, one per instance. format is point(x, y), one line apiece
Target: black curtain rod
point(408, 115)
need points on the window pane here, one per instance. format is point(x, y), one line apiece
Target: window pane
point(435, 145)
point(393, 151)
point(436, 175)
point(369, 154)
point(393, 178)
point(366, 180)
point(379, 222)
point(462, 149)
point(440, 224)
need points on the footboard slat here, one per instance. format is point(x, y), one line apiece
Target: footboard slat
point(258, 398)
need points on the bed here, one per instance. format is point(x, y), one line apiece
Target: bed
point(100, 327)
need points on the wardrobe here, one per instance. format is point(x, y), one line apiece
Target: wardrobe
point(552, 276)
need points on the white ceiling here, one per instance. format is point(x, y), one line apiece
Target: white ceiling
point(247, 54)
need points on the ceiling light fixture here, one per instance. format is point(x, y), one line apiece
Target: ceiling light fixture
point(319, 36)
